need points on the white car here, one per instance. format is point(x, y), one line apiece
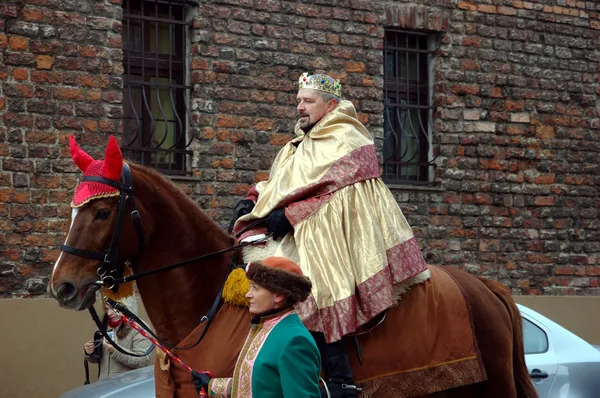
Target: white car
point(561, 364)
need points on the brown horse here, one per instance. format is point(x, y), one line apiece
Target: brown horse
point(176, 229)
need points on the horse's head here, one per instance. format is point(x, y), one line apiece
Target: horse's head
point(93, 222)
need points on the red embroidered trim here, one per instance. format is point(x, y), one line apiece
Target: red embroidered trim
point(372, 296)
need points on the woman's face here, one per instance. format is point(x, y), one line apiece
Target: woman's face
point(112, 314)
point(262, 300)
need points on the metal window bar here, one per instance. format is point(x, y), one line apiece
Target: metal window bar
point(410, 146)
point(156, 113)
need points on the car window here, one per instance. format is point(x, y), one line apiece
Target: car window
point(534, 338)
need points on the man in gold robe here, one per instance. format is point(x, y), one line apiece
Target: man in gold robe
point(329, 211)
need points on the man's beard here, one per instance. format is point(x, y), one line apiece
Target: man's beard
point(308, 126)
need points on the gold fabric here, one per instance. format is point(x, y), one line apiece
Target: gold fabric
point(336, 135)
point(345, 218)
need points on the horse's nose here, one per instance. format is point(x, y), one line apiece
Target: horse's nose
point(66, 291)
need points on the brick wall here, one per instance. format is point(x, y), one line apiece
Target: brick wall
point(517, 116)
point(59, 74)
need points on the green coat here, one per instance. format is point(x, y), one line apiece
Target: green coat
point(279, 359)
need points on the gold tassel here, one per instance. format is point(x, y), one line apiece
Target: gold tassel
point(236, 287)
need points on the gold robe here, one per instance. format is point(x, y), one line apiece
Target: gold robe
point(349, 237)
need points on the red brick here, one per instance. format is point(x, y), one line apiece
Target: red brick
point(544, 201)
point(226, 121)
point(278, 139)
point(44, 61)
point(451, 198)
point(45, 77)
point(93, 81)
point(222, 135)
point(463, 5)
point(3, 41)
point(261, 176)
point(240, 189)
point(496, 92)
point(32, 14)
point(355, 67)
point(94, 95)
point(513, 106)
point(483, 199)
point(515, 130)
point(263, 124)
point(544, 132)
point(20, 74)
point(469, 64)
point(592, 270)
point(17, 43)
point(486, 8)
point(545, 179)
point(462, 89)
point(68, 93)
point(90, 125)
point(472, 42)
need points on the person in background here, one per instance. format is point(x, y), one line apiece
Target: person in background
point(111, 361)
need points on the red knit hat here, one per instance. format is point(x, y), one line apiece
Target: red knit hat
point(109, 168)
point(280, 275)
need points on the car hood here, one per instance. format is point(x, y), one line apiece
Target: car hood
point(138, 383)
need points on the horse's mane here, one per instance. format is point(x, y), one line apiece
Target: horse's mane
point(183, 207)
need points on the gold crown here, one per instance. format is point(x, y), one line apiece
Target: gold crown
point(320, 82)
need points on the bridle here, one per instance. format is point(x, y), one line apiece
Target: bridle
point(111, 269)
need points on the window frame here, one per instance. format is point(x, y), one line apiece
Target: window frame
point(142, 67)
point(403, 96)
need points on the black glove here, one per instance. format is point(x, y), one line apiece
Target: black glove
point(278, 224)
point(200, 380)
point(242, 208)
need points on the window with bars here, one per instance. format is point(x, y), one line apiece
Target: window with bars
point(155, 89)
point(409, 143)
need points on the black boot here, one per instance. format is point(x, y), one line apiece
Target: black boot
point(338, 373)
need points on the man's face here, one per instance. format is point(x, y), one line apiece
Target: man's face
point(311, 107)
point(262, 300)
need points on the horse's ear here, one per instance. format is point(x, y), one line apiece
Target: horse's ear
point(113, 160)
point(80, 157)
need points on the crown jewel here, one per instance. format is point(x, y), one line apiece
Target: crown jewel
point(320, 82)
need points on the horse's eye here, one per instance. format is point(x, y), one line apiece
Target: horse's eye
point(102, 214)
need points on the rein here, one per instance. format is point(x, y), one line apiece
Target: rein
point(140, 275)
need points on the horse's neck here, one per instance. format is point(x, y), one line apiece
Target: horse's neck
point(176, 300)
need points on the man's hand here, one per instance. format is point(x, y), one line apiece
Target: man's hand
point(200, 380)
point(278, 224)
point(88, 347)
point(242, 208)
